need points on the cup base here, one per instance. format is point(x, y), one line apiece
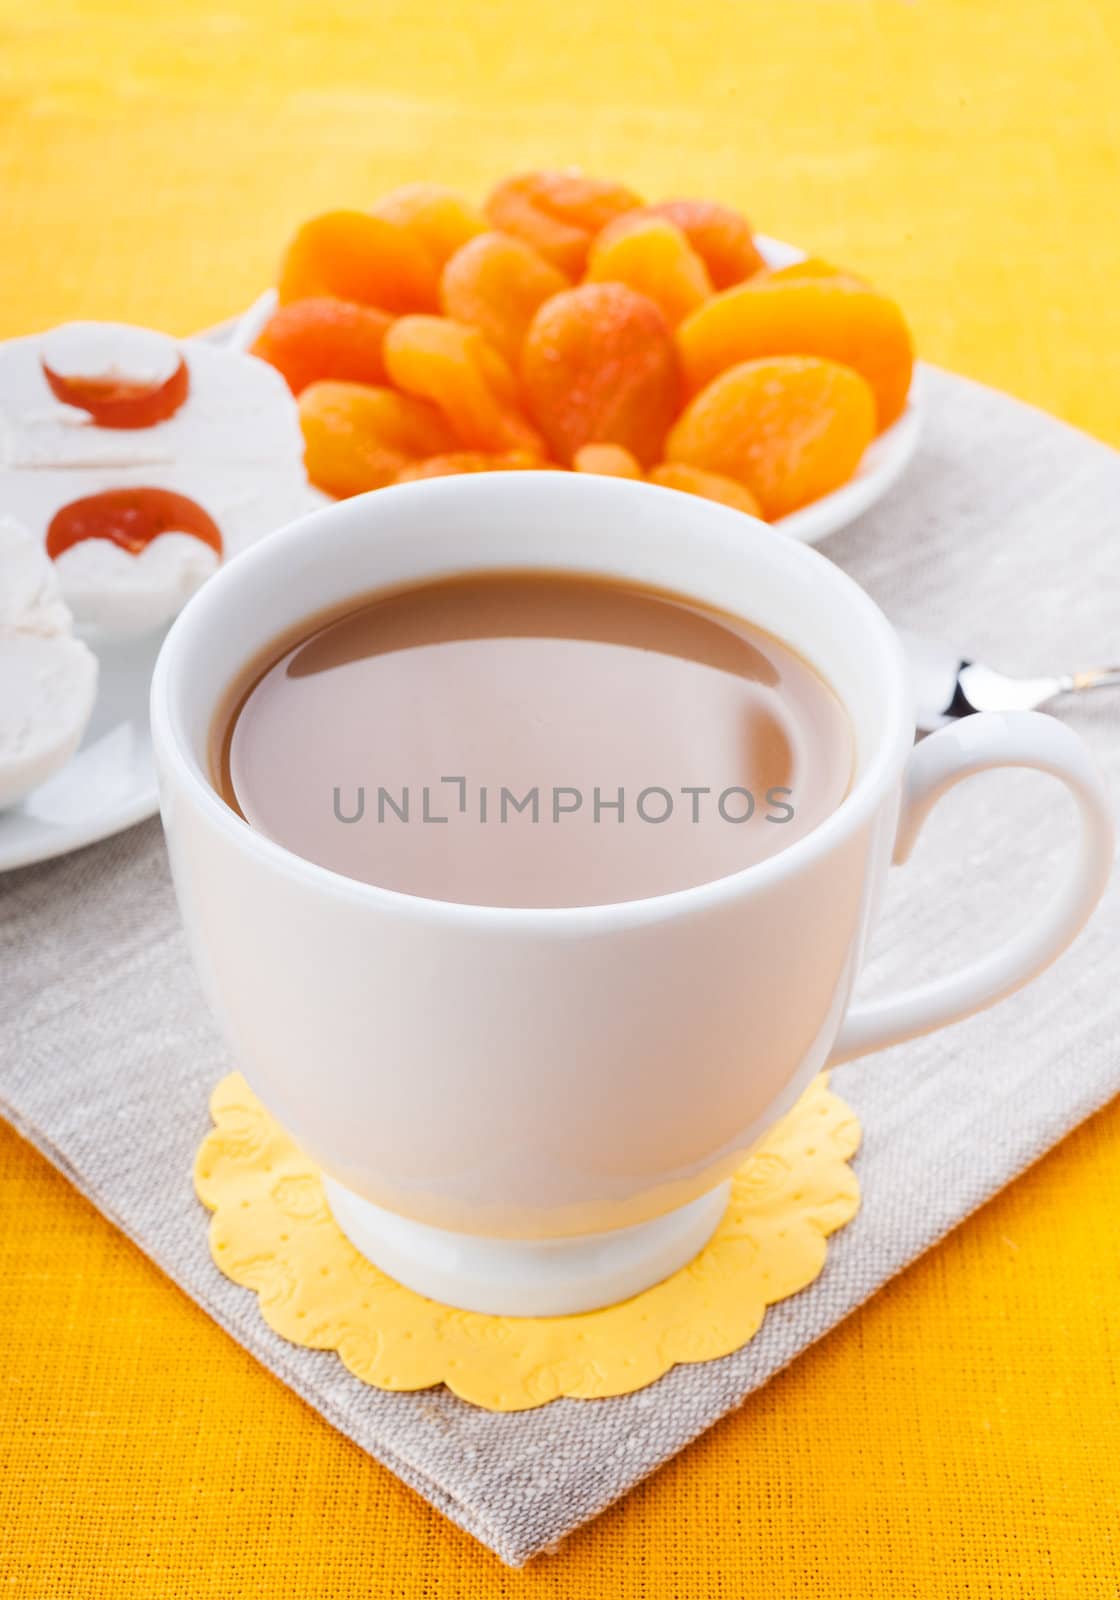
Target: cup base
point(526, 1277)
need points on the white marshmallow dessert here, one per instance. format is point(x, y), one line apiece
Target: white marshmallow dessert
point(104, 409)
point(48, 679)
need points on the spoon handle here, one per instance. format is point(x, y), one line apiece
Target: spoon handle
point(1092, 678)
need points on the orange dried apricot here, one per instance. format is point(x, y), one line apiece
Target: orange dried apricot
point(309, 340)
point(810, 267)
point(496, 282)
point(598, 365)
point(654, 257)
point(722, 238)
point(607, 461)
point(792, 428)
point(836, 319)
point(451, 364)
point(355, 256)
point(710, 485)
point(457, 461)
point(358, 437)
point(558, 213)
point(441, 219)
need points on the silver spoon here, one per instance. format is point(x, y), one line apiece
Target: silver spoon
point(948, 687)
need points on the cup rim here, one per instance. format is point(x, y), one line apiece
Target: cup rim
point(734, 528)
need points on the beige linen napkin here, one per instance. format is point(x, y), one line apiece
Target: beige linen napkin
point(1005, 538)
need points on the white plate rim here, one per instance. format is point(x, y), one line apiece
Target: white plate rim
point(141, 807)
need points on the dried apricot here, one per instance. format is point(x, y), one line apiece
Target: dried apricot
point(496, 283)
point(809, 267)
point(558, 213)
point(309, 340)
point(358, 437)
point(606, 460)
point(451, 364)
point(441, 219)
point(355, 256)
point(457, 461)
point(791, 428)
point(837, 319)
point(598, 365)
point(654, 257)
point(722, 238)
point(710, 485)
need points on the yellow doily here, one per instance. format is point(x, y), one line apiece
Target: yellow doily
point(272, 1232)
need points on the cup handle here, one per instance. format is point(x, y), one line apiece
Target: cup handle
point(977, 744)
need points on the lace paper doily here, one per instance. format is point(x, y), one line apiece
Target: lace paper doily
point(272, 1232)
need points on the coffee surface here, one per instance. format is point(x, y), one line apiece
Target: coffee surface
point(520, 739)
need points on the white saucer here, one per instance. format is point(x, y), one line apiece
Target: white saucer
point(110, 784)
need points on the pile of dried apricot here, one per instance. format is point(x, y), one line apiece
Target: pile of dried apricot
point(568, 324)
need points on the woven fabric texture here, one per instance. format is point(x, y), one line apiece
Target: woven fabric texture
point(272, 1232)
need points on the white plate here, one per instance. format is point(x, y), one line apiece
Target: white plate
point(881, 467)
point(110, 784)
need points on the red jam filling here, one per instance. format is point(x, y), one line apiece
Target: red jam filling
point(131, 518)
point(119, 404)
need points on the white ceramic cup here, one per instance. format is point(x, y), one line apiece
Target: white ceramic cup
point(532, 1111)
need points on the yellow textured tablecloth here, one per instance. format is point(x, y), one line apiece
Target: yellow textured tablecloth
point(959, 1437)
